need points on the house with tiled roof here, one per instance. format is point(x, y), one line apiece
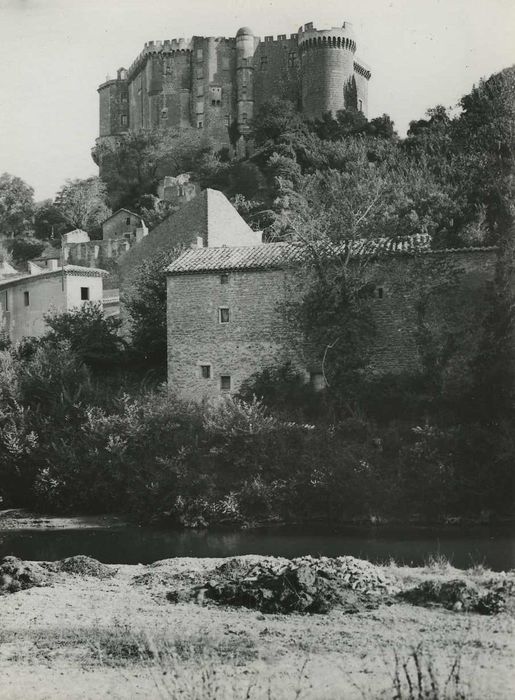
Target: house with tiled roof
point(26, 298)
point(229, 317)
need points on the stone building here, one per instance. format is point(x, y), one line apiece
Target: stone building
point(227, 313)
point(214, 83)
point(26, 298)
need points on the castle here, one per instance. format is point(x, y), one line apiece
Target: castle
point(217, 84)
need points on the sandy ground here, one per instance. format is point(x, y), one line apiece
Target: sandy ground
point(84, 637)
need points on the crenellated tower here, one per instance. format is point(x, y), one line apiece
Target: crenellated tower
point(216, 83)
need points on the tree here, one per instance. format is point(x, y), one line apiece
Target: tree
point(23, 249)
point(16, 206)
point(82, 204)
point(274, 119)
point(92, 336)
point(133, 166)
point(145, 302)
point(49, 222)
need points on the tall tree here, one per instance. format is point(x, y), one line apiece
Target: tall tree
point(83, 203)
point(16, 206)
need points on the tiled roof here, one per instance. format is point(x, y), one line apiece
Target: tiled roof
point(270, 256)
point(278, 255)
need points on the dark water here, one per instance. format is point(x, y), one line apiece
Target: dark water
point(492, 547)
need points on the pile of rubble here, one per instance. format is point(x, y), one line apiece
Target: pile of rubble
point(457, 595)
point(18, 575)
point(306, 584)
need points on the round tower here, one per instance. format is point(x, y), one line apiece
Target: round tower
point(327, 68)
point(245, 47)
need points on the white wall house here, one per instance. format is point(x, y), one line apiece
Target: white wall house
point(25, 299)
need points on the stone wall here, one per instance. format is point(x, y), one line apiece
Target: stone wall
point(259, 333)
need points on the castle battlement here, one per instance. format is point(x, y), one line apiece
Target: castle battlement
point(215, 83)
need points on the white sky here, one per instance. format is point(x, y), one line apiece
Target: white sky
point(55, 53)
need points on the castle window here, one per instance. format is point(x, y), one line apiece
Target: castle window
point(200, 90)
point(200, 54)
point(199, 125)
point(128, 221)
point(224, 279)
point(200, 73)
point(218, 103)
point(84, 293)
point(360, 105)
point(124, 120)
point(244, 118)
point(213, 103)
point(225, 382)
point(26, 299)
point(264, 62)
point(292, 58)
point(379, 292)
point(223, 314)
point(205, 371)
point(125, 97)
point(244, 91)
point(226, 120)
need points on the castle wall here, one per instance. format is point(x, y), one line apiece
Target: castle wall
point(210, 83)
point(277, 70)
point(259, 333)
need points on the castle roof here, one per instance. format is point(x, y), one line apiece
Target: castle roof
point(74, 270)
point(245, 31)
point(127, 211)
point(276, 256)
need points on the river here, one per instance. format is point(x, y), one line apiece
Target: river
point(121, 543)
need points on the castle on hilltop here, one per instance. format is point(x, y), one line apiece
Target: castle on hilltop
point(217, 84)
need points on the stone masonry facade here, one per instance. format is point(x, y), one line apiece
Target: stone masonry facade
point(210, 355)
point(218, 83)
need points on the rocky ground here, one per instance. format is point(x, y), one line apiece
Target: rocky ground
point(253, 627)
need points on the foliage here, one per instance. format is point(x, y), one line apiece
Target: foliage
point(82, 204)
point(145, 302)
point(16, 206)
point(24, 248)
point(49, 222)
point(92, 336)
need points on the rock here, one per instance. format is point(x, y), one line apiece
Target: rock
point(458, 595)
point(85, 566)
point(18, 575)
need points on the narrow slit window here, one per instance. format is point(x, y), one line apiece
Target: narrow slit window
point(225, 382)
point(205, 371)
point(380, 292)
point(84, 293)
point(224, 278)
point(26, 298)
point(224, 314)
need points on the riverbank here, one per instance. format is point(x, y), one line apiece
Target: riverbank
point(116, 634)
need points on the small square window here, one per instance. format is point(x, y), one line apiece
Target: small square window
point(199, 125)
point(205, 371)
point(225, 382)
point(26, 298)
point(84, 293)
point(224, 279)
point(223, 312)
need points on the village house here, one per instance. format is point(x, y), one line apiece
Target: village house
point(25, 298)
point(228, 317)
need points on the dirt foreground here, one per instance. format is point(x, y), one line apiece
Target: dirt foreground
point(117, 635)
